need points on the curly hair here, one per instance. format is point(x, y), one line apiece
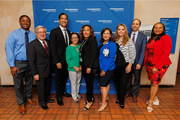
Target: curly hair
point(91, 32)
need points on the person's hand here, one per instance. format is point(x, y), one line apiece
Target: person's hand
point(88, 70)
point(76, 69)
point(36, 77)
point(138, 66)
point(102, 73)
point(14, 71)
point(154, 70)
point(80, 68)
point(59, 65)
point(128, 68)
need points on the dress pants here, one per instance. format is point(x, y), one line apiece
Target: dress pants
point(43, 85)
point(61, 76)
point(121, 83)
point(75, 78)
point(24, 72)
point(136, 84)
point(89, 79)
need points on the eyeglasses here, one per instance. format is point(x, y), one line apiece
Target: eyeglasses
point(42, 32)
point(74, 38)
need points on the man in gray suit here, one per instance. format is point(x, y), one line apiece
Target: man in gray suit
point(140, 41)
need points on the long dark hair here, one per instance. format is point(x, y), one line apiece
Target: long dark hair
point(153, 35)
point(103, 30)
point(91, 32)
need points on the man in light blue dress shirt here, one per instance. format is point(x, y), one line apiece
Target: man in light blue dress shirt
point(16, 45)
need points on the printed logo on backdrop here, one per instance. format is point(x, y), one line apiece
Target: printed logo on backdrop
point(71, 10)
point(94, 9)
point(117, 9)
point(99, 14)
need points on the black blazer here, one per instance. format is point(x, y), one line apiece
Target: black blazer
point(38, 59)
point(58, 46)
point(90, 54)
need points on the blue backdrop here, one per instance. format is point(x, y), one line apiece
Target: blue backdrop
point(97, 13)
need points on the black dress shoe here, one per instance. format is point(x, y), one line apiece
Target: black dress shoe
point(60, 101)
point(66, 94)
point(44, 107)
point(117, 101)
point(121, 105)
point(50, 100)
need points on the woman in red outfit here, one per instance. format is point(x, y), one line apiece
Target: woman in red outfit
point(157, 60)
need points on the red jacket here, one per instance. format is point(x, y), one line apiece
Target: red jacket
point(162, 50)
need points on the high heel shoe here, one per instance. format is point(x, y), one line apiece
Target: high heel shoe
point(86, 108)
point(155, 102)
point(149, 109)
point(102, 107)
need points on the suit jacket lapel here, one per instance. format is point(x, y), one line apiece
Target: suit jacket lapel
point(138, 39)
point(42, 48)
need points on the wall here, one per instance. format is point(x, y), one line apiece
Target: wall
point(148, 11)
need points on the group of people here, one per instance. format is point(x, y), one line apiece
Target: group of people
point(31, 56)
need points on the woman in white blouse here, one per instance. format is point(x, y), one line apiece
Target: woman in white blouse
point(127, 47)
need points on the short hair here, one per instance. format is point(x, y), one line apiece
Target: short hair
point(39, 26)
point(103, 30)
point(73, 34)
point(24, 16)
point(138, 20)
point(63, 14)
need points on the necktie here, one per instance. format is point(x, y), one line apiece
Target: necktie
point(133, 37)
point(45, 47)
point(66, 41)
point(26, 40)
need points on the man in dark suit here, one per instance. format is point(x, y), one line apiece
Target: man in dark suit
point(140, 41)
point(40, 64)
point(59, 39)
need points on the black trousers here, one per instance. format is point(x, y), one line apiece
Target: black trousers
point(61, 76)
point(136, 85)
point(44, 87)
point(121, 83)
point(24, 72)
point(89, 79)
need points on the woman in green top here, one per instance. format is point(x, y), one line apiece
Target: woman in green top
point(74, 68)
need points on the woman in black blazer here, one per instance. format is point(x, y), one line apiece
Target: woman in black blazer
point(88, 52)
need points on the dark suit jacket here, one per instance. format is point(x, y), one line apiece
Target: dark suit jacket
point(90, 54)
point(58, 46)
point(38, 59)
point(140, 48)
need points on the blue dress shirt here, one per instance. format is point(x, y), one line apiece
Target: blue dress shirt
point(15, 46)
point(107, 62)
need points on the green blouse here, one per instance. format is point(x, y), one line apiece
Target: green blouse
point(72, 57)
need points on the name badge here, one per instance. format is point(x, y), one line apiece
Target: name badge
point(106, 52)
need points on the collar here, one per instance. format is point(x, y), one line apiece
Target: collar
point(22, 30)
point(62, 28)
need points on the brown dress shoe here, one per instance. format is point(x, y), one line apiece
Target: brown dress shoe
point(22, 109)
point(31, 102)
point(134, 98)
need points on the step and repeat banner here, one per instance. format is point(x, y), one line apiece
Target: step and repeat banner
point(97, 13)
